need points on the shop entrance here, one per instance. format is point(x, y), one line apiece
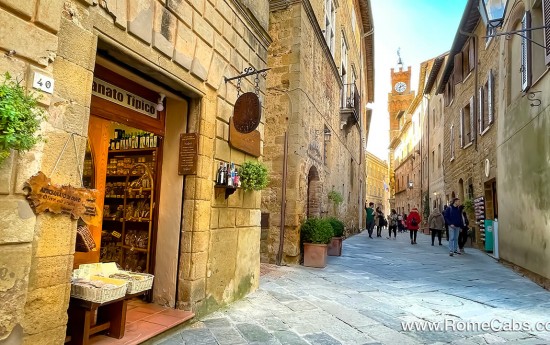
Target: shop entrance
point(131, 158)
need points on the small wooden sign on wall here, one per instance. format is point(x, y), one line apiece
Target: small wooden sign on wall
point(78, 202)
point(246, 142)
point(188, 155)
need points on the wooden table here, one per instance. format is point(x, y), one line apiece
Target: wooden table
point(111, 316)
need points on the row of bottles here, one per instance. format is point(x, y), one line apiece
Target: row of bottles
point(139, 140)
point(228, 176)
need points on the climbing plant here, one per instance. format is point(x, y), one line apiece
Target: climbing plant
point(20, 117)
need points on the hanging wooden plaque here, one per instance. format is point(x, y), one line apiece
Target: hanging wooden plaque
point(188, 156)
point(247, 112)
point(249, 142)
point(78, 202)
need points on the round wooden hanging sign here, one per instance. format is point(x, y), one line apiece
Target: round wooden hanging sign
point(247, 113)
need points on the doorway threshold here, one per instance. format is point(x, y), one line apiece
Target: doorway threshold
point(143, 322)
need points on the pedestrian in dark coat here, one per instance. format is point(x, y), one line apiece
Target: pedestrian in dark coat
point(453, 216)
point(463, 235)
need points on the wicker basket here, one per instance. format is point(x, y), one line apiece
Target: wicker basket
point(98, 295)
point(135, 286)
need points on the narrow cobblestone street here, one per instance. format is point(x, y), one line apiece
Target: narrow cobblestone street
point(364, 296)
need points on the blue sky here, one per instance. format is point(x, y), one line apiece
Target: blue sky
point(422, 29)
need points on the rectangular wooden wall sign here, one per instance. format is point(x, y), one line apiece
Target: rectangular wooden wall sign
point(188, 156)
point(246, 142)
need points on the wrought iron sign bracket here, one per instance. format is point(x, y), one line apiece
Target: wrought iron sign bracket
point(248, 72)
point(519, 33)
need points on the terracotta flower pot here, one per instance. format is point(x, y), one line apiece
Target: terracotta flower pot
point(315, 255)
point(335, 246)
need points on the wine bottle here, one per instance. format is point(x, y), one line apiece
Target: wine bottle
point(219, 174)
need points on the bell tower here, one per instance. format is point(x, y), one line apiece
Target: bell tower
point(399, 100)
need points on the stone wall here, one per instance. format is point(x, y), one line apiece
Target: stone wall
point(469, 162)
point(187, 45)
point(523, 149)
point(304, 99)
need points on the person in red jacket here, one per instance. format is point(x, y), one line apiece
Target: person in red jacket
point(413, 223)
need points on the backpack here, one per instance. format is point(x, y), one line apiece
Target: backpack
point(414, 222)
point(393, 220)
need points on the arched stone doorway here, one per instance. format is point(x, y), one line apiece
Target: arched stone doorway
point(313, 193)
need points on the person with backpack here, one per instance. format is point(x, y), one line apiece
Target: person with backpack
point(400, 222)
point(436, 223)
point(453, 217)
point(393, 218)
point(413, 223)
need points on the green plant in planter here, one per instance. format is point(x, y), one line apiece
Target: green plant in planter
point(335, 197)
point(316, 230)
point(426, 211)
point(468, 205)
point(20, 117)
point(253, 175)
point(337, 226)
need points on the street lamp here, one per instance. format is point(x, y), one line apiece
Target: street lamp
point(492, 12)
point(410, 184)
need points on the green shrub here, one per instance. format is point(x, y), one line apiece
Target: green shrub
point(20, 117)
point(315, 230)
point(253, 175)
point(335, 197)
point(337, 226)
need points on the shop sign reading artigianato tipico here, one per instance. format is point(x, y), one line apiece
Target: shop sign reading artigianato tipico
point(112, 93)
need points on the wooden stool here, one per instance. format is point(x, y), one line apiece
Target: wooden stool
point(111, 316)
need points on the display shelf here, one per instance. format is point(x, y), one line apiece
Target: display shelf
point(137, 249)
point(228, 189)
point(140, 150)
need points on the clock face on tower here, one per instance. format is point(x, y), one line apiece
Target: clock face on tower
point(400, 87)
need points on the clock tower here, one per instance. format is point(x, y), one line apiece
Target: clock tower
point(399, 100)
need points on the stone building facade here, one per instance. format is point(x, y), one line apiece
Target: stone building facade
point(432, 138)
point(182, 49)
point(469, 83)
point(377, 182)
point(523, 142)
point(321, 79)
point(406, 150)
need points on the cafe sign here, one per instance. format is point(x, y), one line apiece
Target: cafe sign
point(77, 202)
point(112, 93)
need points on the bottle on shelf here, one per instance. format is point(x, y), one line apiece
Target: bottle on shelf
point(230, 176)
point(219, 174)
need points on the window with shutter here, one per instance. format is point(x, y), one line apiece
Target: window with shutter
point(458, 68)
point(472, 119)
point(481, 113)
point(452, 148)
point(546, 21)
point(466, 60)
point(461, 128)
point(526, 53)
point(471, 54)
point(490, 97)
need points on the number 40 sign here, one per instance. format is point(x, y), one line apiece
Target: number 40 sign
point(43, 83)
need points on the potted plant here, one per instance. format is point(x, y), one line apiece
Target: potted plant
point(20, 117)
point(316, 233)
point(335, 245)
point(253, 175)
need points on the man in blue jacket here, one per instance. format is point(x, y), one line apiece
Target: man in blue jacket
point(453, 217)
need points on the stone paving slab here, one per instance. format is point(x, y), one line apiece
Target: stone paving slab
point(371, 292)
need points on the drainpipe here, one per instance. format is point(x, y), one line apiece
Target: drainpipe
point(283, 204)
point(474, 40)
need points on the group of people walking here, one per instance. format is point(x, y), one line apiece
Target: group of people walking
point(452, 220)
